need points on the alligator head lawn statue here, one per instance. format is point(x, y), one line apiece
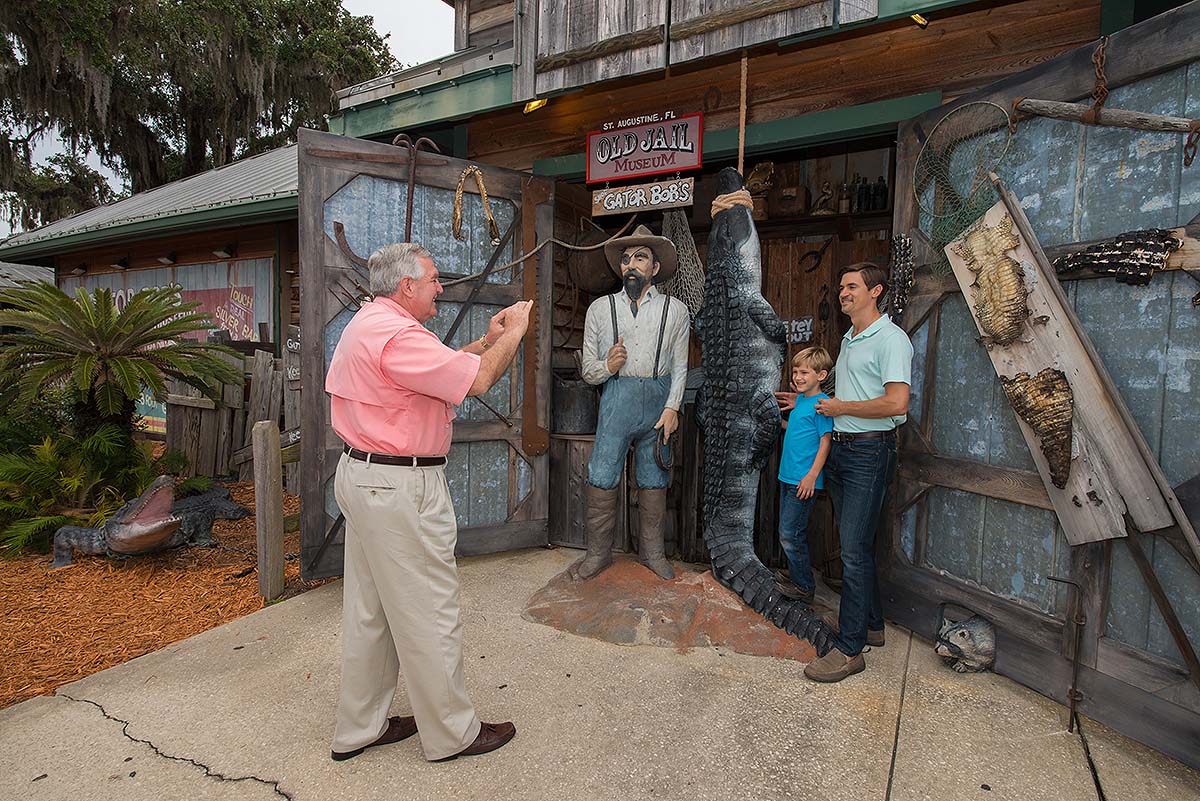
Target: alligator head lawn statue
point(152, 521)
point(743, 345)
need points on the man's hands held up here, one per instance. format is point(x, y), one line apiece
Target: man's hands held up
point(617, 356)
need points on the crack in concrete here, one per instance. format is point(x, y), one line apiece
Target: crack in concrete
point(209, 772)
point(1087, 752)
point(899, 714)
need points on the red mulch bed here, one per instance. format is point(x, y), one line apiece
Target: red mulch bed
point(62, 625)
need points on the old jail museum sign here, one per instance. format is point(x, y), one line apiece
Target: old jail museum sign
point(666, 144)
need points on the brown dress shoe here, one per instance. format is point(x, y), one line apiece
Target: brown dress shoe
point(399, 728)
point(491, 736)
point(835, 666)
point(874, 638)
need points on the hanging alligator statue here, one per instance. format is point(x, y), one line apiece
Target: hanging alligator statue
point(152, 521)
point(743, 346)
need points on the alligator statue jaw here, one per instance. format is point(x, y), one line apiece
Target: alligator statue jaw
point(152, 521)
point(743, 346)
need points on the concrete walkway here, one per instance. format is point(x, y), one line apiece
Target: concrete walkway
point(245, 711)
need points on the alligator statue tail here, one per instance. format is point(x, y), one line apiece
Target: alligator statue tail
point(743, 345)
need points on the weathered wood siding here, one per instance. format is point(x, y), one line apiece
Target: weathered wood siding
point(768, 28)
point(878, 63)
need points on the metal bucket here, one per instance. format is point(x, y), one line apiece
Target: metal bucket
point(574, 405)
point(588, 269)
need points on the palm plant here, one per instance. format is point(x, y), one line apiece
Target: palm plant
point(105, 356)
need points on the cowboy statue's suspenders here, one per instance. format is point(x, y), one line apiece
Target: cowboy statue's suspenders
point(662, 328)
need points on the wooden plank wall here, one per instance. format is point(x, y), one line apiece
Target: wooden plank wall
point(480, 23)
point(747, 34)
point(566, 24)
point(202, 432)
point(880, 62)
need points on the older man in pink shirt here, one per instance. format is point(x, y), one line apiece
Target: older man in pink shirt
point(393, 388)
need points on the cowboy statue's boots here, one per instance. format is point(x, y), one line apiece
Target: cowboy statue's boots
point(601, 522)
point(652, 505)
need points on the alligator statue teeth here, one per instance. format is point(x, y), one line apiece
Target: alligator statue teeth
point(1132, 257)
point(743, 345)
point(152, 521)
point(999, 289)
point(903, 275)
point(1046, 403)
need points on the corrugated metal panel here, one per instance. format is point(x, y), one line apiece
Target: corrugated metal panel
point(11, 274)
point(267, 175)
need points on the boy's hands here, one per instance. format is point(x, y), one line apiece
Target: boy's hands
point(807, 487)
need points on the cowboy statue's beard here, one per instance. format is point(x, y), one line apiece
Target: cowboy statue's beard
point(634, 283)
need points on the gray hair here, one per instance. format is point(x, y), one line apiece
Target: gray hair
point(391, 263)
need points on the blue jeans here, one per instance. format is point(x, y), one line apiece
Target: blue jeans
point(629, 408)
point(857, 476)
point(793, 535)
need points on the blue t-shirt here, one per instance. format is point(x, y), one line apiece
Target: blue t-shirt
point(803, 436)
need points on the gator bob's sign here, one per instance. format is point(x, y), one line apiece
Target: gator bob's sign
point(671, 193)
point(652, 148)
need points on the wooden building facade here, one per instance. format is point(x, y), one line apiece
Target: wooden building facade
point(839, 88)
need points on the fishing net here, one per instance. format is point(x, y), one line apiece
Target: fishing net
point(950, 180)
point(688, 282)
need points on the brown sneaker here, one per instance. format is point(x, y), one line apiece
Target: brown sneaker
point(835, 666)
point(399, 728)
point(874, 638)
point(491, 736)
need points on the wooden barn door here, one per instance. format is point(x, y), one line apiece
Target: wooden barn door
point(353, 198)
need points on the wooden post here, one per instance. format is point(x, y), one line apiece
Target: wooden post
point(268, 508)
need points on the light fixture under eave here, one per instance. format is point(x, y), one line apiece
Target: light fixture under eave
point(79, 269)
point(121, 263)
point(167, 259)
point(921, 21)
point(227, 252)
point(534, 105)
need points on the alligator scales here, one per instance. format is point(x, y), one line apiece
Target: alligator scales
point(743, 348)
point(1046, 403)
point(999, 289)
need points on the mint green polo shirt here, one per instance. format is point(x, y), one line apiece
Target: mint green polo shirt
point(880, 355)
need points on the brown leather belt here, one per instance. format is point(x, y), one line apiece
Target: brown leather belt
point(403, 461)
point(847, 436)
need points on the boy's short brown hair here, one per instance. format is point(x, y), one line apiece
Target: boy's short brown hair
point(817, 359)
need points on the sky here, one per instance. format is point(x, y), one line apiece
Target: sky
point(421, 30)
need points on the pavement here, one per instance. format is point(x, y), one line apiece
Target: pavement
point(245, 711)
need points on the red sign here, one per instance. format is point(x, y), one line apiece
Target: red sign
point(655, 148)
point(231, 307)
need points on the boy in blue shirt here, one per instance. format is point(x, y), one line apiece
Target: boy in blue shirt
point(806, 445)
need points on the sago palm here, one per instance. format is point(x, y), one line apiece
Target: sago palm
point(103, 355)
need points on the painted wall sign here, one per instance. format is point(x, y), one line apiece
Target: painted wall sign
point(669, 194)
point(654, 148)
point(799, 330)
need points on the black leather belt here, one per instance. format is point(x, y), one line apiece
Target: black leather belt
point(403, 461)
point(847, 436)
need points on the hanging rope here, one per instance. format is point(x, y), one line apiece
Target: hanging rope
point(541, 245)
point(493, 229)
point(742, 119)
point(1100, 92)
point(738, 198)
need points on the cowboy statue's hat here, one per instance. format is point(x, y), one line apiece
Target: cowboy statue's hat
point(664, 251)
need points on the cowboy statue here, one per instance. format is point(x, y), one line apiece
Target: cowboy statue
point(635, 343)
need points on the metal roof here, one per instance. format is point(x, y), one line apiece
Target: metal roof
point(12, 274)
point(269, 176)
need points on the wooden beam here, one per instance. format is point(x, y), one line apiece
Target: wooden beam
point(733, 15)
point(1109, 117)
point(1005, 483)
point(1178, 633)
point(268, 509)
point(188, 400)
point(605, 47)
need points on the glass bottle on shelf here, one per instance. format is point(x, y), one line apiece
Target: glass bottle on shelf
point(844, 198)
point(880, 194)
point(855, 194)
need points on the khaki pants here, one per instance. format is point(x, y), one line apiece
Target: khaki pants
point(400, 607)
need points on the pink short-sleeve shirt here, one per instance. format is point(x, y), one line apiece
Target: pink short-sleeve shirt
point(424, 380)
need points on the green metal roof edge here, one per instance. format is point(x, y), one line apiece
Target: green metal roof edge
point(488, 90)
point(858, 121)
point(241, 213)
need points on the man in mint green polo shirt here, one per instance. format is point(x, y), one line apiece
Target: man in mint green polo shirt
point(873, 373)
